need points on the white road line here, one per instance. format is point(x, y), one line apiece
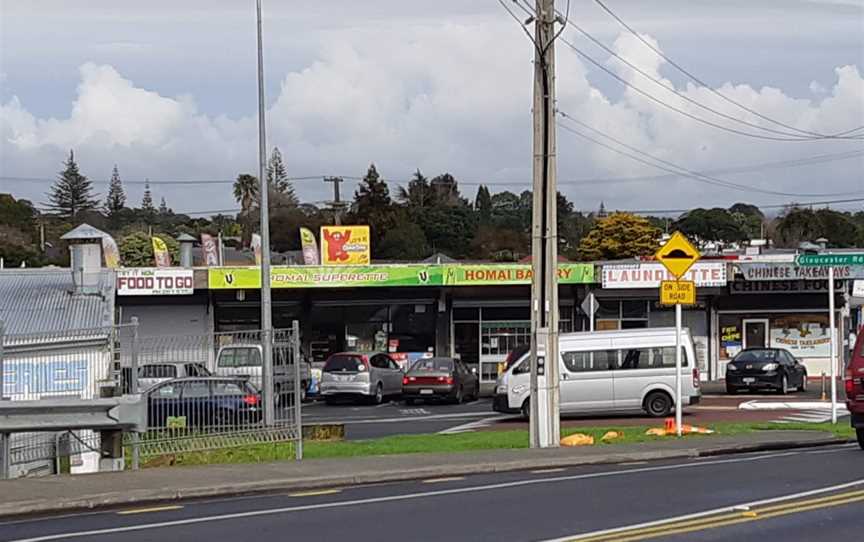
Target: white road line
point(405, 497)
point(473, 426)
point(715, 511)
point(454, 416)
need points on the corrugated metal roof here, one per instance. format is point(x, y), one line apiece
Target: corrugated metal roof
point(41, 300)
point(82, 232)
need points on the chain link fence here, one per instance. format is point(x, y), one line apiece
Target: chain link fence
point(204, 392)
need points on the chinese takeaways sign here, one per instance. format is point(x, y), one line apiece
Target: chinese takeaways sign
point(307, 276)
point(345, 245)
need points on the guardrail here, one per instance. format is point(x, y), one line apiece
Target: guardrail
point(110, 416)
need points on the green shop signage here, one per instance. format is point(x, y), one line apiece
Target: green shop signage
point(233, 278)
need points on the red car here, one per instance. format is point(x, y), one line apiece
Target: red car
point(853, 380)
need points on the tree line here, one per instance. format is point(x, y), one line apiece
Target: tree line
point(424, 217)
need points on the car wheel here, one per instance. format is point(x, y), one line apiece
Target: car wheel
point(378, 398)
point(860, 433)
point(731, 390)
point(409, 402)
point(477, 391)
point(304, 392)
point(460, 396)
point(803, 386)
point(784, 385)
point(658, 404)
point(526, 409)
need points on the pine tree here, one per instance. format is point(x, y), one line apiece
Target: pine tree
point(72, 192)
point(372, 196)
point(116, 199)
point(163, 208)
point(483, 204)
point(418, 194)
point(147, 201)
point(277, 176)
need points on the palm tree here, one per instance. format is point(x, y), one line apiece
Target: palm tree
point(246, 192)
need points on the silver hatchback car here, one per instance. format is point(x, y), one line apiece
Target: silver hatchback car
point(369, 376)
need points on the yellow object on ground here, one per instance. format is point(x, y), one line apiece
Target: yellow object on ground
point(611, 435)
point(578, 439)
point(670, 430)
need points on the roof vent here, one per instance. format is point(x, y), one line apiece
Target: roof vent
point(85, 249)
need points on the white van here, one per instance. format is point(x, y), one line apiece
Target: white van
point(610, 371)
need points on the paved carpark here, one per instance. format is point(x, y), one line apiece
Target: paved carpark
point(396, 418)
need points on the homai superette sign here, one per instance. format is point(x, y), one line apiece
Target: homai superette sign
point(390, 275)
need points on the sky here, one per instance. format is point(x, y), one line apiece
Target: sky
point(167, 91)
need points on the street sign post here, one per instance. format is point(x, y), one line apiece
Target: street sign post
point(678, 255)
point(589, 307)
point(830, 261)
point(677, 292)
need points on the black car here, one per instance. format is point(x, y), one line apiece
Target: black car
point(203, 402)
point(765, 368)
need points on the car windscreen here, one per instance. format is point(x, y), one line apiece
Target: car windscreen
point(756, 356)
point(432, 365)
point(342, 363)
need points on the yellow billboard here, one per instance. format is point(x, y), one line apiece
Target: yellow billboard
point(345, 245)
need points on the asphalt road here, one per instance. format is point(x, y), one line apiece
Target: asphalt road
point(795, 496)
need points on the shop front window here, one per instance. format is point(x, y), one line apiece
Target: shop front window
point(804, 335)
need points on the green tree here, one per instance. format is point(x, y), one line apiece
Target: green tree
point(418, 194)
point(445, 191)
point(373, 206)
point(483, 205)
point(750, 218)
point(499, 244)
point(712, 225)
point(116, 199)
point(72, 192)
point(449, 229)
point(277, 176)
point(147, 209)
point(136, 249)
point(16, 247)
point(404, 241)
point(619, 236)
point(246, 191)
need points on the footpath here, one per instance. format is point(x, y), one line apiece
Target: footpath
point(57, 494)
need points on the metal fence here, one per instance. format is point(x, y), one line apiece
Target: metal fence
point(207, 392)
point(204, 392)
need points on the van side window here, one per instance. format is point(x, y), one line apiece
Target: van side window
point(581, 362)
point(665, 357)
point(226, 358)
point(635, 358)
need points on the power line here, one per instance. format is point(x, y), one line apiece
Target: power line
point(702, 83)
point(680, 170)
point(768, 206)
point(682, 95)
point(165, 182)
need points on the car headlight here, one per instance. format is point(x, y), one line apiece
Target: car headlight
point(731, 368)
point(520, 389)
point(501, 390)
point(770, 367)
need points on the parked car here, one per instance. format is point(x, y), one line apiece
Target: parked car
point(516, 354)
point(853, 380)
point(765, 368)
point(246, 360)
point(440, 378)
point(151, 374)
point(610, 371)
point(203, 402)
point(369, 376)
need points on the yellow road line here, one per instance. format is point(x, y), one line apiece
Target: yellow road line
point(315, 493)
point(724, 519)
point(441, 480)
point(149, 510)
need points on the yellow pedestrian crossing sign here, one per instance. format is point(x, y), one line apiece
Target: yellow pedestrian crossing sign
point(677, 255)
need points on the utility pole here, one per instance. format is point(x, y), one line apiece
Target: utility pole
point(266, 314)
point(545, 430)
point(337, 200)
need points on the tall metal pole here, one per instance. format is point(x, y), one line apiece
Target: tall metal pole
point(266, 314)
point(544, 423)
point(133, 389)
point(679, 406)
point(5, 438)
point(831, 325)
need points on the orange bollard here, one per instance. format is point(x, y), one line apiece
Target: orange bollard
point(670, 425)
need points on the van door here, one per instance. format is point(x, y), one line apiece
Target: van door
point(645, 368)
point(586, 380)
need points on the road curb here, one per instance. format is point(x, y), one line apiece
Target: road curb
point(149, 496)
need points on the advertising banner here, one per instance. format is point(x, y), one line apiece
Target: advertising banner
point(650, 275)
point(155, 281)
point(390, 275)
point(790, 271)
point(804, 336)
point(211, 253)
point(309, 247)
point(503, 274)
point(111, 252)
point(160, 252)
point(345, 245)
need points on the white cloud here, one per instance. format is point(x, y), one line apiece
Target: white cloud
point(442, 98)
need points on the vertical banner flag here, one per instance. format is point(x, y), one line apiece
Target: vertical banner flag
point(111, 252)
point(309, 246)
point(256, 248)
point(345, 245)
point(160, 252)
point(211, 255)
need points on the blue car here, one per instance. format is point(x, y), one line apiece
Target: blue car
point(203, 402)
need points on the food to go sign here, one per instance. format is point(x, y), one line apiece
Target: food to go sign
point(155, 281)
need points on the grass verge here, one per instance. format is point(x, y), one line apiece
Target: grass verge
point(462, 442)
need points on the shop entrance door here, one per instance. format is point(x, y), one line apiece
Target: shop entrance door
point(755, 333)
